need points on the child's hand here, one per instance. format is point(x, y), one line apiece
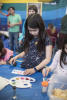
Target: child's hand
point(2, 62)
point(12, 25)
point(45, 71)
point(29, 71)
point(12, 60)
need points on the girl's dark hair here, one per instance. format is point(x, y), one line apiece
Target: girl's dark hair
point(35, 21)
point(2, 49)
point(33, 7)
point(63, 53)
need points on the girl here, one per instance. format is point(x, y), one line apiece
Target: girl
point(32, 9)
point(52, 32)
point(37, 46)
point(5, 54)
point(59, 64)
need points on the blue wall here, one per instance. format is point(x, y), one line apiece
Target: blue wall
point(54, 16)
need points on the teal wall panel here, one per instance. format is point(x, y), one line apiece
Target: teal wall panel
point(18, 6)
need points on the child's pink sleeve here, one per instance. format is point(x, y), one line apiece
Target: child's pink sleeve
point(8, 54)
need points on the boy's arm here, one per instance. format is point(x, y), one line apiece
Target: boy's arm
point(19, 23)
point(3, 13)
point(19, 20)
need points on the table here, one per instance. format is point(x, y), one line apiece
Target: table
point(33, 93)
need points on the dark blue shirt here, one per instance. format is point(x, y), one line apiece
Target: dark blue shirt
point(33, 57)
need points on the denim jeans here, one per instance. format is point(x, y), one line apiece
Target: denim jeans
point(13, 38)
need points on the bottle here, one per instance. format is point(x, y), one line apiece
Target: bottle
point(14, 97)
point(44, 85)
point(14, 93)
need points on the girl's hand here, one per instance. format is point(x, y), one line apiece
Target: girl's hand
point(13, 60)
point(45, 71)
point(29, 71)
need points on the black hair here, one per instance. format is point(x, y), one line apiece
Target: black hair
point(63, 53)
point(35, 21)
point(1, 45)
point(2, 49)
point(33, 7)
point(11, 7)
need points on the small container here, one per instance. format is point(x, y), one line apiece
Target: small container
point(57, 89)
point(44, 86)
